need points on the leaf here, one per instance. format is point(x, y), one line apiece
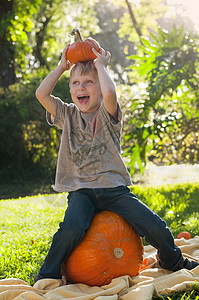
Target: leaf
point(169, 75)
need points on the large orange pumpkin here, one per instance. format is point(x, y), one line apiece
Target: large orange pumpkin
point(110, 248)
point(81, 50)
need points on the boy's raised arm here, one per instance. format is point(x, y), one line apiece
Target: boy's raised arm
point(43, 92)
point(106, 83)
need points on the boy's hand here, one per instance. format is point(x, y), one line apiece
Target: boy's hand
point(64, 62)
point(103, 58)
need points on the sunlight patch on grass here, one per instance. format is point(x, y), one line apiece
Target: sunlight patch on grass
point(26, 229)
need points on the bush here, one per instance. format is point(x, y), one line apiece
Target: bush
point(162, 117)
point(27, 141)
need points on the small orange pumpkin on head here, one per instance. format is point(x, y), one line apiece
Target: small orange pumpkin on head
point(81, 50)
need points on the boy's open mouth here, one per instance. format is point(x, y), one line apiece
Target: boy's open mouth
point(83, 99)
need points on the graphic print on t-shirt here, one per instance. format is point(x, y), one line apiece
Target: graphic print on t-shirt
point(86, 149)
point(94, 126)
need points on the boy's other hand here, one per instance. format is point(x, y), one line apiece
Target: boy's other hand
point(103, 58)
point(64, 62)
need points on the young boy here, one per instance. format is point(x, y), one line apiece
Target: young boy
point(90, 167)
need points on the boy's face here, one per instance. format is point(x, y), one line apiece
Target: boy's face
point(85, 91)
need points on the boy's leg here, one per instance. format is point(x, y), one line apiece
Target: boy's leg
point(149, 225)
point(77, 220)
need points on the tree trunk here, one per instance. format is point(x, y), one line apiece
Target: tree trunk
point(40, 36)
point(7, 74)
point(133, 19)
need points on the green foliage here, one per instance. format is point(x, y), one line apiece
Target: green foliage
point(41, 30)
point(52, 24)
point(153, 9)
point(26, 138)
point(16, 23)
point(34, 33)
point(163, 122)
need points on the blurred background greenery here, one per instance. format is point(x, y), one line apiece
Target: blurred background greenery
point(155, 65)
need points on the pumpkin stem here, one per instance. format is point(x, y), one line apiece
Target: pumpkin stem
point(78, 37)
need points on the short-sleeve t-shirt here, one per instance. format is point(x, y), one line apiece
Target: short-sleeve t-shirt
point(89, 154)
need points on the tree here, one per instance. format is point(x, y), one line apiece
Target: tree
point(140, 20)
point(16, 22)
point(53, 23)
point(164, 121)
point(34, 32)
point(7, 49)
point(121, 23)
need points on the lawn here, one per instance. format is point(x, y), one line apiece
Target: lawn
point(28, 224)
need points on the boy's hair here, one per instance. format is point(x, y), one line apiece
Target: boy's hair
point(84, 67)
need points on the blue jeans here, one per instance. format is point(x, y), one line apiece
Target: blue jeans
point(84, 203)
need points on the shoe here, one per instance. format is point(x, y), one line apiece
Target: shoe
point(190, 264)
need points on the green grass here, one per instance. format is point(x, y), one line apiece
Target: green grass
point(178, 205)
point(22, 188)
point(28, 224)
point(26, 229)
point(190, 295)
